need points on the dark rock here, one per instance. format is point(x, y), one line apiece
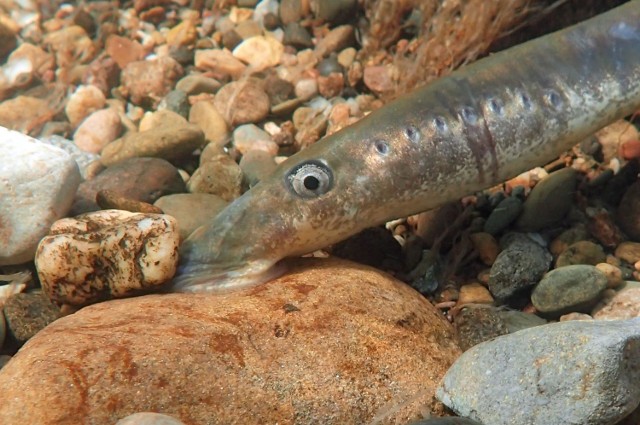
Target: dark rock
point(27, 314)
point(521, 264)
point(143, 179)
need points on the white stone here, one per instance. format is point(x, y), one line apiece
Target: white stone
point(37, 185)
point(259, 52)
point(104, 254)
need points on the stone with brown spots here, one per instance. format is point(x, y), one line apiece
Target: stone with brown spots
point(330, 342)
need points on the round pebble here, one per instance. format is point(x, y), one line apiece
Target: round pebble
point(84, 101)
point(521, 264)
point(567, 289)
point(582, 252)
point(98, 130)
point(242, 102)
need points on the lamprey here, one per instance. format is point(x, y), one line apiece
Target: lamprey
point(481, 125)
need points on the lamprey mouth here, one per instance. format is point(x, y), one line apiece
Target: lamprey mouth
point(210, 278)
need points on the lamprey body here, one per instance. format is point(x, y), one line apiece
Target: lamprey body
point(480, 125)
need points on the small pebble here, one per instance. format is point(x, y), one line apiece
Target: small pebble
point(549, 201)
point(205, 115)
point(625, 304)
point(628, 251)
point(197, 84)
point(574, 316)
point(474, 293)
point(84, 101)
point(306, 88)
point(168, 141)
point(143, 179)
point(27, 314)
point(221, 64)
point(378, 78)
point(176, 101)
point(613, 274)
point(242, 102)
point(486, 246)
point(111, 199)
point(147, 82)
point(297, 36)
point(331, 86)
point(505, 213)
point(575, 288)
point(250, 137)
point(259, 52)
point(582, 252)
point(337, 39)
point(521, 264)
point(220, 176)
point(478, 323)
point(124, 50)
point(98, 130)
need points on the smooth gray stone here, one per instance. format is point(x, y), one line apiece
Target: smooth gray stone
point(576, 372)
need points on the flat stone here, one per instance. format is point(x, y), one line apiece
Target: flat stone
point(581, 372)
point(330, 342)
point(166, 141)
point(38, 183)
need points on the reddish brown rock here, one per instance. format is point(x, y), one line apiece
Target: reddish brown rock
point(142, 179)
point(147, 82)
point(242, 102)
point(124, 50)
point(330, 342)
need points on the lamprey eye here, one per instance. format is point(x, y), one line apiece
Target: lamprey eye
point(310, 179)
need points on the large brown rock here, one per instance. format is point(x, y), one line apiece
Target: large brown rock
point(331, 342)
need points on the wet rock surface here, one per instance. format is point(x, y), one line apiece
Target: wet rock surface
point(288, 351)
point(37, 182)
point(544, 373)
